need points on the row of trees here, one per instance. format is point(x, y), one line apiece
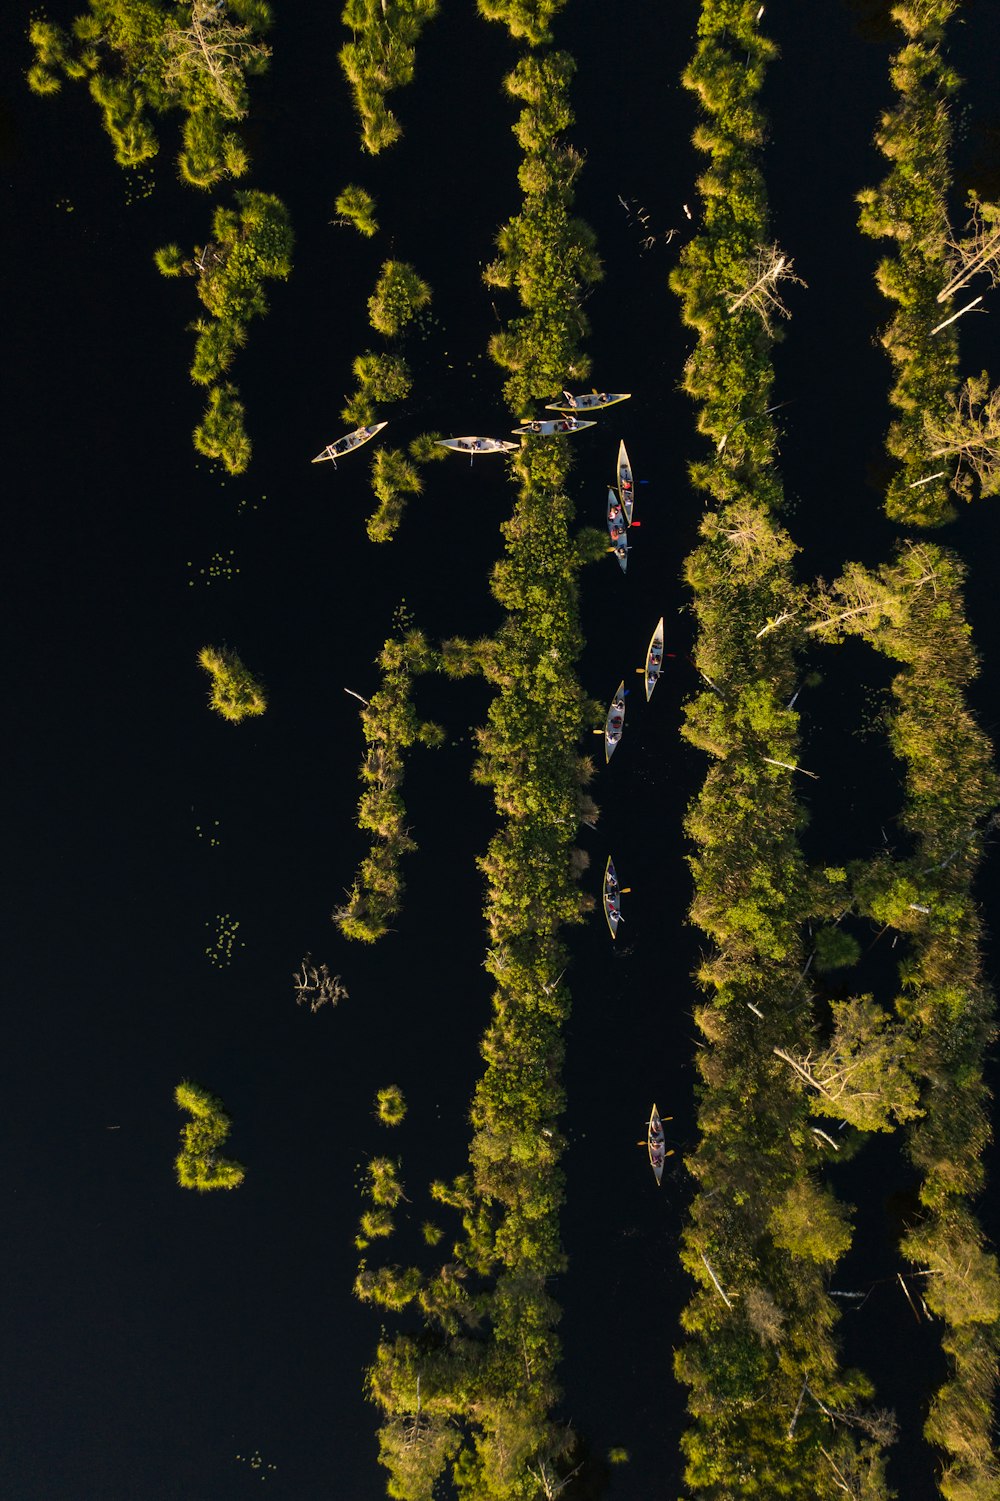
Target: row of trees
point(381, 57)
point(917, 1066)
point(391, 726)
point(145, 61)
point(946, 442)
point(912, 611)
point(249, 245)
point(400, 295)
point(545, 254)
point(772, 1411)
point(475, 1391)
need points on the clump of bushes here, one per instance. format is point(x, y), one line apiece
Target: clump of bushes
point(235, 694)
point(198, 1163)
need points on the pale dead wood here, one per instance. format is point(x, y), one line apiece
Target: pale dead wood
point(715, 1280)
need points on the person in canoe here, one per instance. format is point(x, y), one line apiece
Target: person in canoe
point(567, 424)
point(569, 398)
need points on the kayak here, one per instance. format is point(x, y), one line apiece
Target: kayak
point(348, 443)
point(626, 492)
point(551, 427)
point(654, 659)
point(612, 898)
point(592, 401)
point(656, 1143)
point(472, 446)
point(615, 722)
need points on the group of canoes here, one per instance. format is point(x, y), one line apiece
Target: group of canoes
point(614, 722)
point(566, 422)
point(619, 518)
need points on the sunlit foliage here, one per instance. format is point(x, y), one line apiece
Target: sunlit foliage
point(143, 59)
point(198, 1163)
point(235, 693)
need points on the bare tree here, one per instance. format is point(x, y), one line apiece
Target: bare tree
point(977, 253)
point(969, 434)
point(862, 593)
point(551, 1485)
point(862, 1075)
point(317, 986)
point(217, 50)
point(760, 291)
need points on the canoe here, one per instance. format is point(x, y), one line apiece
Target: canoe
point(551, 427)
point(592, 401)
point(612, 898)
point(473, 446)
point(616, 518)
point(654, 659)
point(626, 489)
point(349, 442)
point(621, 551)
point(657, 1145)
point(615, 722)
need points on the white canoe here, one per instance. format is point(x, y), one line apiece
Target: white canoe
point(592, 401)
point(473, 446)
point(654, 659)
point(626, 489)
point(656, 1144)
point(614, 722)
point(349, 442)
point(551, 427)
point(612, 898)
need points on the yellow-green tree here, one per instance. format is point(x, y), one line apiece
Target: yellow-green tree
point(235, 693)
point(198, 1164)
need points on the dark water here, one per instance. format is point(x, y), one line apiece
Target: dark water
point(154, 1337)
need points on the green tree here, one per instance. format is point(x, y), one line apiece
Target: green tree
point(211, 55)
point(808, 1222)
point(221, 434)
point(235, 694)
point(399, 295)
point(863, 1076)
point(198, 1163)
point(356, 206)
point(390, 1105)
point(968, 432)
